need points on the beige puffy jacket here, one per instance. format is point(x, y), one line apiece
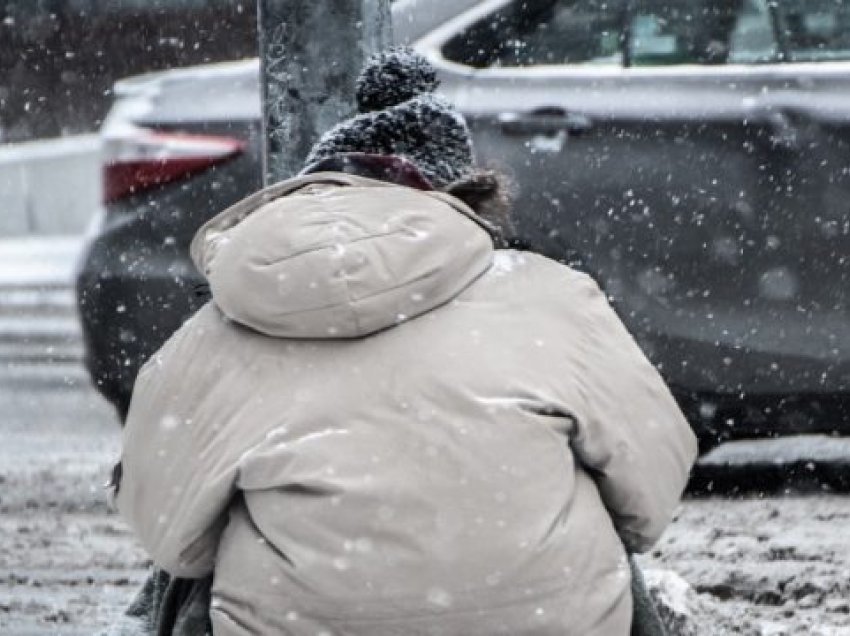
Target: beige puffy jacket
point(381, 425)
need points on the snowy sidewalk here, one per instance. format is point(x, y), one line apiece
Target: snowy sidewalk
point(39, 260)
point(40, 339)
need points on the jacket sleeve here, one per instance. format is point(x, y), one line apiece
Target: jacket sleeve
point(629, 432)
point(177, 482)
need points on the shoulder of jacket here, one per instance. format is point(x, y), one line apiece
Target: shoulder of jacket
point(206, 324)
point(537, 265)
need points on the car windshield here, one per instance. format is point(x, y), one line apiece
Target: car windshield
point(655, 33)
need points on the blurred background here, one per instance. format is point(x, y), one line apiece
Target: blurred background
point(733, 132)
point(59, 58)
point(58, 62)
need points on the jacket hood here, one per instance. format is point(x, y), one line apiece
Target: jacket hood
point(329, 255)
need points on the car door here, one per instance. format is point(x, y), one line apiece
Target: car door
point(676, 153)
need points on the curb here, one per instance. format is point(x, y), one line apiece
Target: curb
point(787, 465)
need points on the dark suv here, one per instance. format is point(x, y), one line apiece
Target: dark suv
point(691, 156)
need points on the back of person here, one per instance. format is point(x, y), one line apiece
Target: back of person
point(381, 424)
point(468, 470)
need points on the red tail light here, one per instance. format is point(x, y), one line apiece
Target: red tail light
point(142, 159)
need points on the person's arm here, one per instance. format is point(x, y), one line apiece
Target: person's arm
point(177, 484)
point(630, 434)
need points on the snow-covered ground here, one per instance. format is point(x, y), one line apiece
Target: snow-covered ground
point(67, 563)
point(764, 566)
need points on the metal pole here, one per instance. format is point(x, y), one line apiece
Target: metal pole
point(310, 54)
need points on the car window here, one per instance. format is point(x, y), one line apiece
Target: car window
point(661, 33)
point(541, 32)
point(815, 30)
point(655, 33)
point(754, 36)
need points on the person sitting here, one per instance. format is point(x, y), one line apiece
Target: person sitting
point(387, 422)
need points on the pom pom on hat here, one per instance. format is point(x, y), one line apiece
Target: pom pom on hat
point(392, 77)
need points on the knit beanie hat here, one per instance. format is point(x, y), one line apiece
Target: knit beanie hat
point(400, 115)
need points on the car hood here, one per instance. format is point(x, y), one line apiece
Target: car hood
point(330, 255)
